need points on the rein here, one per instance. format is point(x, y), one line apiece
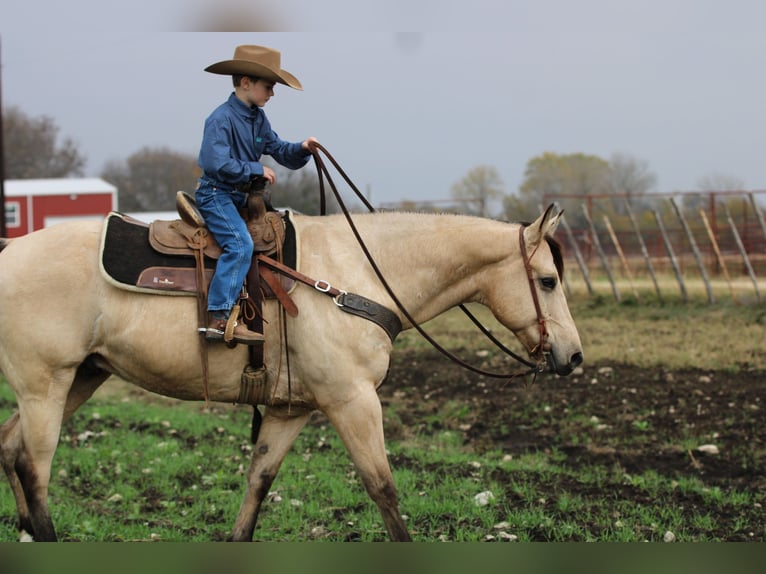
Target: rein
point(538, 351)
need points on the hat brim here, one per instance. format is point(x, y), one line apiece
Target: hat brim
point(248, 68)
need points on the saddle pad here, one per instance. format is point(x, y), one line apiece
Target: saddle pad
point(126, 255)
point(128, 261)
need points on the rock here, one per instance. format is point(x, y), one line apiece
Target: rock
point(507, 537)
point(483, 498)
point(605, 371)
point(318, 532)
point(708, 449)
point(669, 537)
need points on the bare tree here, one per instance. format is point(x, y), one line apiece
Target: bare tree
point(716, 181)
point(712, 182)
point(299, 190)
point(630, 176)
point(150, 178)
point(32, 149)
point(480, 187)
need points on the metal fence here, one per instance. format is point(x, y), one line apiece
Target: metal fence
point(670, 244)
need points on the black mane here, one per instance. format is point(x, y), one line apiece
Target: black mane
point(558, 258)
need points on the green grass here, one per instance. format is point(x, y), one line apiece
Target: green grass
point(132, 471)
point(673, 335)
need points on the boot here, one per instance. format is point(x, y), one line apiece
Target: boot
point(238, 332)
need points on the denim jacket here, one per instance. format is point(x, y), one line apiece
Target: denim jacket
point(234, 139)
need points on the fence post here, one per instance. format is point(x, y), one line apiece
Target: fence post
point(578, 255)
point(695, 251)
point(601, 253)
point(644, 250)
point(718, 255)
point(672, 255)
point(742, 251)
point(624, 261)
point(758, 213)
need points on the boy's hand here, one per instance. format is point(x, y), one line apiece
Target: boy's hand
point(308, 144)
point(269, 174)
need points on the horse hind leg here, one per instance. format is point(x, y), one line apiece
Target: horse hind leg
point(10, 447)
point(20, 468)
point(277, 433)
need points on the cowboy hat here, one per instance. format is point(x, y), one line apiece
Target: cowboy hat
point(257, 61)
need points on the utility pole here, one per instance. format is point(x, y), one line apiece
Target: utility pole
point(2, 153)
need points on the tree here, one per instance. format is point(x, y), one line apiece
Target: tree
point(32, 149)
point(720, 182)
point(630, 176)
point(299, 190)
point(712, 182)
point(553, 177)
point(479, 188)
point(150, 178)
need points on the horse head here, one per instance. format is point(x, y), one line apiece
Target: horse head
point(527, 296)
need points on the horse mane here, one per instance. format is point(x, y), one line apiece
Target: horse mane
point(558, 258)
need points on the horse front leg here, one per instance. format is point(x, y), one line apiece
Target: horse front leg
point(277, 433)
point(359, 423)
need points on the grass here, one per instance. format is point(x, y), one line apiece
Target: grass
point(673, 335)
point(129, 469)
point(128, 472)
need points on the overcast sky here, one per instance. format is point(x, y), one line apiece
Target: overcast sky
point(677, 83)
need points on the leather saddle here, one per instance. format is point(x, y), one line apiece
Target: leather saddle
point(178, 237)
point(183, 253)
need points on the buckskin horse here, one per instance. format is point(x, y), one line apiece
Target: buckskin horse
point(64, 329)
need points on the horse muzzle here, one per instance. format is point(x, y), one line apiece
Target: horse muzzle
point(564, 368)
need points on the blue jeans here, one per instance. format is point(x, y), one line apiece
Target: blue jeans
point(219, 208)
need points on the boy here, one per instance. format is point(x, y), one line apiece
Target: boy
point(236, 134)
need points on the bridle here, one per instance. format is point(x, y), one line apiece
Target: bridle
point(537, 352)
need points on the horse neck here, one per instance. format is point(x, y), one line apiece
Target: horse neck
point(434, 262)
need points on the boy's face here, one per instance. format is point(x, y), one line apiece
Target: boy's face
point(257, 93)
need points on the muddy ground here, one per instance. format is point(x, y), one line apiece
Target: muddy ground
point(620, 417)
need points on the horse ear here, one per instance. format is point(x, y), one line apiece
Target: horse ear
point(543, 226)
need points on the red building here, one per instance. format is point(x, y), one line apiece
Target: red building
point(31, 204)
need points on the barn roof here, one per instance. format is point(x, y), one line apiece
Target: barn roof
point(57, 186)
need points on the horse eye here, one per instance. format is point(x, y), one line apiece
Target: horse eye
point(548, 283)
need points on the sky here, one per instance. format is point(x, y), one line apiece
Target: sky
point(410, 95)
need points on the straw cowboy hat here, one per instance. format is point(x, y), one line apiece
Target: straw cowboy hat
point(258, 61)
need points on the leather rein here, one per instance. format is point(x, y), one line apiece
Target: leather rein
point(538, 352)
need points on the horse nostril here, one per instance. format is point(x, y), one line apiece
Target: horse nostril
point(575, 360)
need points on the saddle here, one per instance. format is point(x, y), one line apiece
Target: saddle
point(178, 237)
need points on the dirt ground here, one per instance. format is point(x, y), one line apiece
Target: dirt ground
point(616, 416)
